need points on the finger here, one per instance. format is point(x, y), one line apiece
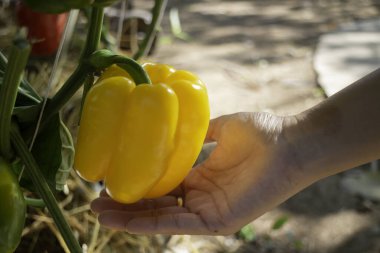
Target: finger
point(168, 223)
point(213, 131)
point(117, 219)
point(103, 193)
point(178, 192)
point(103, 204)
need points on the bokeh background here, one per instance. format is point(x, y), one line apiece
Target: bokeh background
point(253, 55)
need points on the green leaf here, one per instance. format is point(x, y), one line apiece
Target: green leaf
point(298, 245)
point(25, 181)
point(26, 93)
point(13, 73)
point(67, 152)
point(247, 233)
point(280, 222)
point(54, 152)
point(26, 114)
point(47, 150)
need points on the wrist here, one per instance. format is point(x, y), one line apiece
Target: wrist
point(316, 140)
point(303, 150)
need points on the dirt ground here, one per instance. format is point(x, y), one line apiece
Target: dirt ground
point(257, 55)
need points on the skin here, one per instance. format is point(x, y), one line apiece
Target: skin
point(260, 160)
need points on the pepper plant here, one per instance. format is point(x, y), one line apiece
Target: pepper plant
point(35, 146)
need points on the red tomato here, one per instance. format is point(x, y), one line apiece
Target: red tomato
point(44, 30)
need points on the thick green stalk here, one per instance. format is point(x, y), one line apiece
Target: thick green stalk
point(94, 32)
point(158, 11)
point(43, 189)
point(102, 59)
point(8, 92)
point(69, 88)
point(86, 87)
point(77, 79)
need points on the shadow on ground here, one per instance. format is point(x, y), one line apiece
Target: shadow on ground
point(270, 30)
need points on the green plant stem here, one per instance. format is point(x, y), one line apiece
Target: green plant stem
point(86, 87)
point(8, 92)
point(32, 94)
point(3, 61)
point(77, 79)
point(43, 189)
point(94, 31)
point(37, 203)
point(139, 77)
point(157, 11)
point(69, 88)
point(102, 59)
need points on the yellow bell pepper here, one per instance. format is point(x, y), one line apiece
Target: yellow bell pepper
point(142, 140)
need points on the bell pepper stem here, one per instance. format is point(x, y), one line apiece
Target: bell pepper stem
point(158, 11)
point(77, 79)
point(43, 189)
point(102, 59)
point(86, 87)
point(8, 92)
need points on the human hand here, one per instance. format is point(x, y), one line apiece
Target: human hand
point(250, 171)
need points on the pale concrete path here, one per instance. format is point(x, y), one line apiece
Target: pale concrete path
point(346, 55)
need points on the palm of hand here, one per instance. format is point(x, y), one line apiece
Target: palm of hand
point(221, 194)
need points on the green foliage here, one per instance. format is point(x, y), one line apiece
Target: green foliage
point(247, 233)
point(53, 150)
point(47, 150)
point(67, 153)
point(26, 94)
point(280, 222)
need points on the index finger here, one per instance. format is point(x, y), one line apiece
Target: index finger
point(165, 223)
point(105, 204)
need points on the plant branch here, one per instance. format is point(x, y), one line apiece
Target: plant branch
point(8, 92)
point(37, 203)
point(43, 189)
point(69, 88)
point(158, 11)
point(94, 32)
point(77, 79)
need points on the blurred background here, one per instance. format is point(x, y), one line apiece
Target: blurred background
point(277, 56)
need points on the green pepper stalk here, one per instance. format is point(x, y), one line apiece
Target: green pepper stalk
point(8, 93)
point(43, 189)
point(37, 203)
point(80, 74)
point(102, 59)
